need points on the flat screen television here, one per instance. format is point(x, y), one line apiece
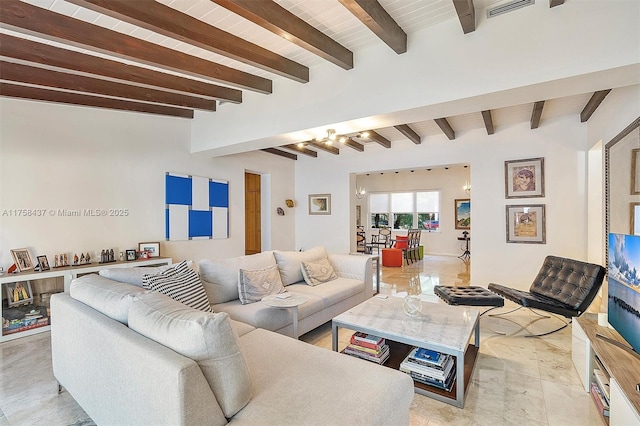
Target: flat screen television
point(624, 287)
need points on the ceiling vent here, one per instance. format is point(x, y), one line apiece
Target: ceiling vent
point(508, 7)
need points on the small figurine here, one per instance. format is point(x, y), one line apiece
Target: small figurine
point(102, 257)
point(88, 258)
point(66, 260)
point(82, 259)
point(121, 256)
point(111, 256)
point(75, 259)
point(56, 260)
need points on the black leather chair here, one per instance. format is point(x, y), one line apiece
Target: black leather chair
point(562, 287)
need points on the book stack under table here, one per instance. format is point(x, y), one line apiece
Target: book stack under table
point(600, 391)
point(430, 367)
point(369, 347)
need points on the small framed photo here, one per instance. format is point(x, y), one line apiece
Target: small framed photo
point(635, 171)
point(524, 178)
point(153, 249)
point(44, 263)
point(142, 254)
point(22, 259)
point(463, 213)
point(19, 293)
point(319, 204)
point(131, 255)
point(526, 224)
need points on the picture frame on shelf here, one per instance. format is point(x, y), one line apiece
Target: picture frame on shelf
point(635, 171)
point(524, 178)
point(43, 262)
point(463, 213)
point(22, 259)
point(19, 293)
point(131, 255)
point(526, 224)
point(142, 254)
point(319, 204)
point(153, 249)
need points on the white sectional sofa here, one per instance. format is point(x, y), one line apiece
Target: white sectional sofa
point(137, 357)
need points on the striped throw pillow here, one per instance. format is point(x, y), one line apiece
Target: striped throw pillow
point(181, 283)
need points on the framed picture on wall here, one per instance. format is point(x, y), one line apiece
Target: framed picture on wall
point(463, 213)
point(319, 204)
point(524, 178)
point(635, 171)
point(634, 214)
point(526, 224)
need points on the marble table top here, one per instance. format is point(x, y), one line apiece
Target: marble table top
point(438, 326)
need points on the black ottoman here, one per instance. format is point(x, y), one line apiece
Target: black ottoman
point(468, 296)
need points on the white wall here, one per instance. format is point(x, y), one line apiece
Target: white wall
point(65, 157)
point(561, 142)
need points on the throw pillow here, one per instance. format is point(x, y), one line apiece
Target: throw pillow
point(134, 275)
point(289, 262)
point(319, 272)
point(205, 337)
point(180, 283)
point(254, 285)
point(401, 242)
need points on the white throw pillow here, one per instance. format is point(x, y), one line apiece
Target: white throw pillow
point(180, 283)
point(205, 337)
point(254, 285)
point(289, 262)
point(220, 277)
point(318, 272)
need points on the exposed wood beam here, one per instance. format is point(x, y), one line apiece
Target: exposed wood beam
point(60, 80)
point(280, 21)
point(302, 150)
point(488, 121)
point(445, 127)
point(536, 114)
point(373, 15)
point(323, 146)
point(35, 93)
point(281, 153)
point(409, 133)
point(377, 137)
point(466, 14)
point(167, 21)
point(21, 17)
point(593, 104)
point(554, 3)
point(26, 50)
point(353, 144)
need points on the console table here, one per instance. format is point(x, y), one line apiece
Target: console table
point(67, 273)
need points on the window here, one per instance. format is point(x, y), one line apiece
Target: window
point(406, 209)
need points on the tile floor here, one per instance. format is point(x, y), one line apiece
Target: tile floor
point(516, 381)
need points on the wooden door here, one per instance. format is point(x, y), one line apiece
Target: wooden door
point(252, 219)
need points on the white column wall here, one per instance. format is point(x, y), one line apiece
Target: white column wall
point(65, 157)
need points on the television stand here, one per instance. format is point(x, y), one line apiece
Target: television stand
point(594, 346)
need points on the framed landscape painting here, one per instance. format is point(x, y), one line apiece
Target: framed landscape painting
point(526, 224)
point(463, 213)
point(635, 171)
point(524, 178)
point(319, 204)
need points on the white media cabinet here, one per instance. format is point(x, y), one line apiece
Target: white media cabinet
point(620, 366)
point(67, 273)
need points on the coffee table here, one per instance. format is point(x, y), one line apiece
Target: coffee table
point(292, 302)
point(443, 328)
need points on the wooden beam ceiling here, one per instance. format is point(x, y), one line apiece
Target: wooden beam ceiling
point(466, 14)
point(44, 54)
point(376, 18)
point(35, 93)
point(280, 153)
point(409, 133)
point(445, 127)
point(323, 146)
point(488, 121)
point(167, 21)
point(285, 24)
point(593, 104)
point(301, 149)
point(60, 80)
point(536, 114)
point(377, 137)
point(21, 16)
point(353, 144)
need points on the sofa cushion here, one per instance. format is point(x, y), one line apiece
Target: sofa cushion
point(134, 275)
point(256, 284)
point(205, 337)
point(331, 292)
point(318, 272)
point(180, 283)
point(106, 296)
point(220, 277)
point(289, 262)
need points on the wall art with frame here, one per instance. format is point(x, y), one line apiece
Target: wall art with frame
point(635, 171)
point(22, 259)
point(319, 204)
point(526, 224)
point(153, 249)
point(463, 213)
point(524, 178)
